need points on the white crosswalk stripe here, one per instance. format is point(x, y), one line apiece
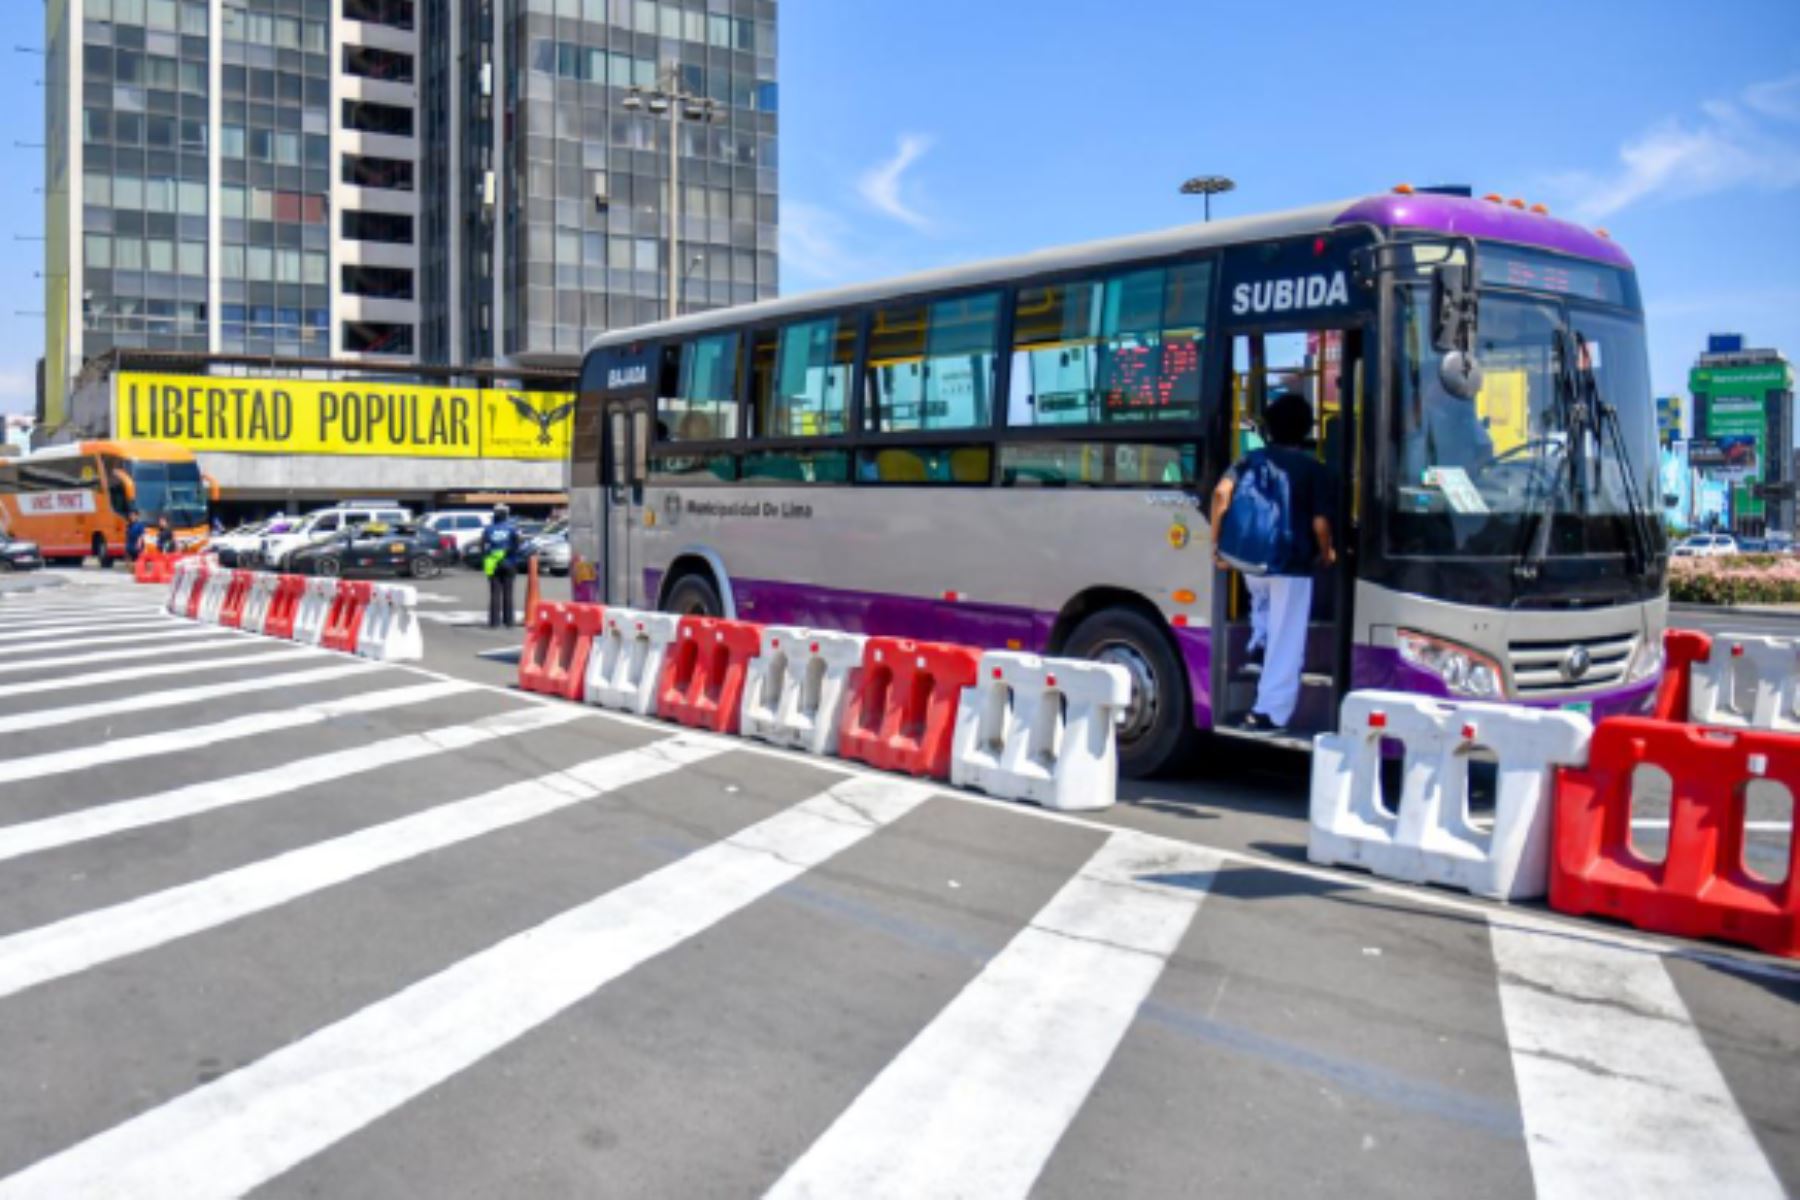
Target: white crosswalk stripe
point(229, 1137)
point(1618, 1092)
point(977, 1102)
point(273, 656)
point(49, 952)
point(89, 616)
point(162, 701)
point(65, 642)
point(221, 640)
point(34, 837)
point(147, 621)
point(62, 762)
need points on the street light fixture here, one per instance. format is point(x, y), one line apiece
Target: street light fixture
point(1208, 186)
point(666, 98)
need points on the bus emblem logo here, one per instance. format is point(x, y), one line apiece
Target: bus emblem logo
point(1576, 664)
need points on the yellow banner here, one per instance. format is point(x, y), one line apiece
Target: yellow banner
point(305, 416)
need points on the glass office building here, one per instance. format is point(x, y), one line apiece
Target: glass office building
point(447, 181)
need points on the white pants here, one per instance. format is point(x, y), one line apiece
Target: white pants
point(1258, 587)
point(1284, 656)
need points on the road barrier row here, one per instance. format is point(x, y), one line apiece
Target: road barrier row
point(375, 621)
point(1039, 729)
point(1563, 802)
point(1731, 680)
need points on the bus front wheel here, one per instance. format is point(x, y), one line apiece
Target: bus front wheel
point(694, 596)
point(1157, 731)
point(100, 554)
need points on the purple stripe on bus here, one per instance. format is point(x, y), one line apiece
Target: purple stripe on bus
point(992, 626)
point(1484, 219)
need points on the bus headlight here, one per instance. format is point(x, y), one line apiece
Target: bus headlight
point(1465, 672)
point(1646, 662)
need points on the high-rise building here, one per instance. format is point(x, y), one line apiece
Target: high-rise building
point(449, 181)
point(1743, 427)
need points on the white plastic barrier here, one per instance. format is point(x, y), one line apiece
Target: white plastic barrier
point(1041, 729)
point(181, 586)
point(795, 689)
point(627, 659)
point(390, 629)
point(1751, 681)
point(315, 606)
point(218, 582)
point(1428, 837)
point(256, 603)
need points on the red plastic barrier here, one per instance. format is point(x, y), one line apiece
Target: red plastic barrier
point(902, 715)
point(151, 567)
point(284, 606)
point(199, 591)
point(343, 624)
point(1703, 887)
point(557, 645)
point(231, 611)
point(540, 635)
point(1682, 648)
point(702, 682)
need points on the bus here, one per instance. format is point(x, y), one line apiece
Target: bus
point(1020, 454)
point(74, 500)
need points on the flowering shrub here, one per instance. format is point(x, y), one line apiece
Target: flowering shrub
point(1736, 579)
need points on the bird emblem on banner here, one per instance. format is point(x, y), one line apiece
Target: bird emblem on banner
point(544, 420)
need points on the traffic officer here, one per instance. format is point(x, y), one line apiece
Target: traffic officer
point(501, 546)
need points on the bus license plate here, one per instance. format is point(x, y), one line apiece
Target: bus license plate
point(1584, 707)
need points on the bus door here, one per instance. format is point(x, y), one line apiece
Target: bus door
point(624, 464)
point(1324, 367)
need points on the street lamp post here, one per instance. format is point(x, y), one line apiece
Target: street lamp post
point(1208, 186)
point(667, 98)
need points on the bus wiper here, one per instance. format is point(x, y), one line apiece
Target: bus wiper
point(1572, 415)
point(1612, 431)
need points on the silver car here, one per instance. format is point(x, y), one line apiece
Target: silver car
point(552, 548)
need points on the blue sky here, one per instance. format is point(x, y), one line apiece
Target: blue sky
point(922, 132)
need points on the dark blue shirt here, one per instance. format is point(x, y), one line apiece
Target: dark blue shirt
point(502, 535)
point(1309, 496)
point(134, 537)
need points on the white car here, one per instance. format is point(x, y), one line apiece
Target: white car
point(236, 547)
point(1706, 545)
point(320, 525)
point(461, 527)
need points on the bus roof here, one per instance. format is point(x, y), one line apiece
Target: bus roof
point(125, 448)
point(1431, 212)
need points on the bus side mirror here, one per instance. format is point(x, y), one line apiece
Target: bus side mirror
point(212, 488)
point(1453, 308)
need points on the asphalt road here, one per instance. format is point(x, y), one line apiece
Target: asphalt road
point(294, 923)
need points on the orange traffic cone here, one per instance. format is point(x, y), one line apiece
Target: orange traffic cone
point(531, 592)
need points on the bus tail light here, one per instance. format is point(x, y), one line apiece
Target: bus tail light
point(1464, 672)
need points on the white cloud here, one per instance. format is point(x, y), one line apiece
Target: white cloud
point(1727, 145)
point(881, 184)
point(813, 247)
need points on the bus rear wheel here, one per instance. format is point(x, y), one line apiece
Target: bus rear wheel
point(100, 554)
point(1157, 732)
point(694, 596)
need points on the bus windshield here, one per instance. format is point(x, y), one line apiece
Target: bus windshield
point(1476, 478)
point(171, 488)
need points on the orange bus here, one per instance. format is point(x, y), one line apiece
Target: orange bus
point(74, 500)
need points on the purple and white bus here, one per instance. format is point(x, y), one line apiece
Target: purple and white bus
point(1019, 454)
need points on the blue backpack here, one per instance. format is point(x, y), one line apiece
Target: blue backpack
point(1256, 536)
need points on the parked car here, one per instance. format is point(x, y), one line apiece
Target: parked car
point(462, 526)
point(1706, 545)
point(240, 546)
point(1752, 545)
point(374, 547)
point(552, 548)
point(19, 555)
point(471, 555)
point(278, 549)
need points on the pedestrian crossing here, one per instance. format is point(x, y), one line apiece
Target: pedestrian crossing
point(296, 923)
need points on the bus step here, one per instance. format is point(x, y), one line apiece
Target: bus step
point(1287, 739)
